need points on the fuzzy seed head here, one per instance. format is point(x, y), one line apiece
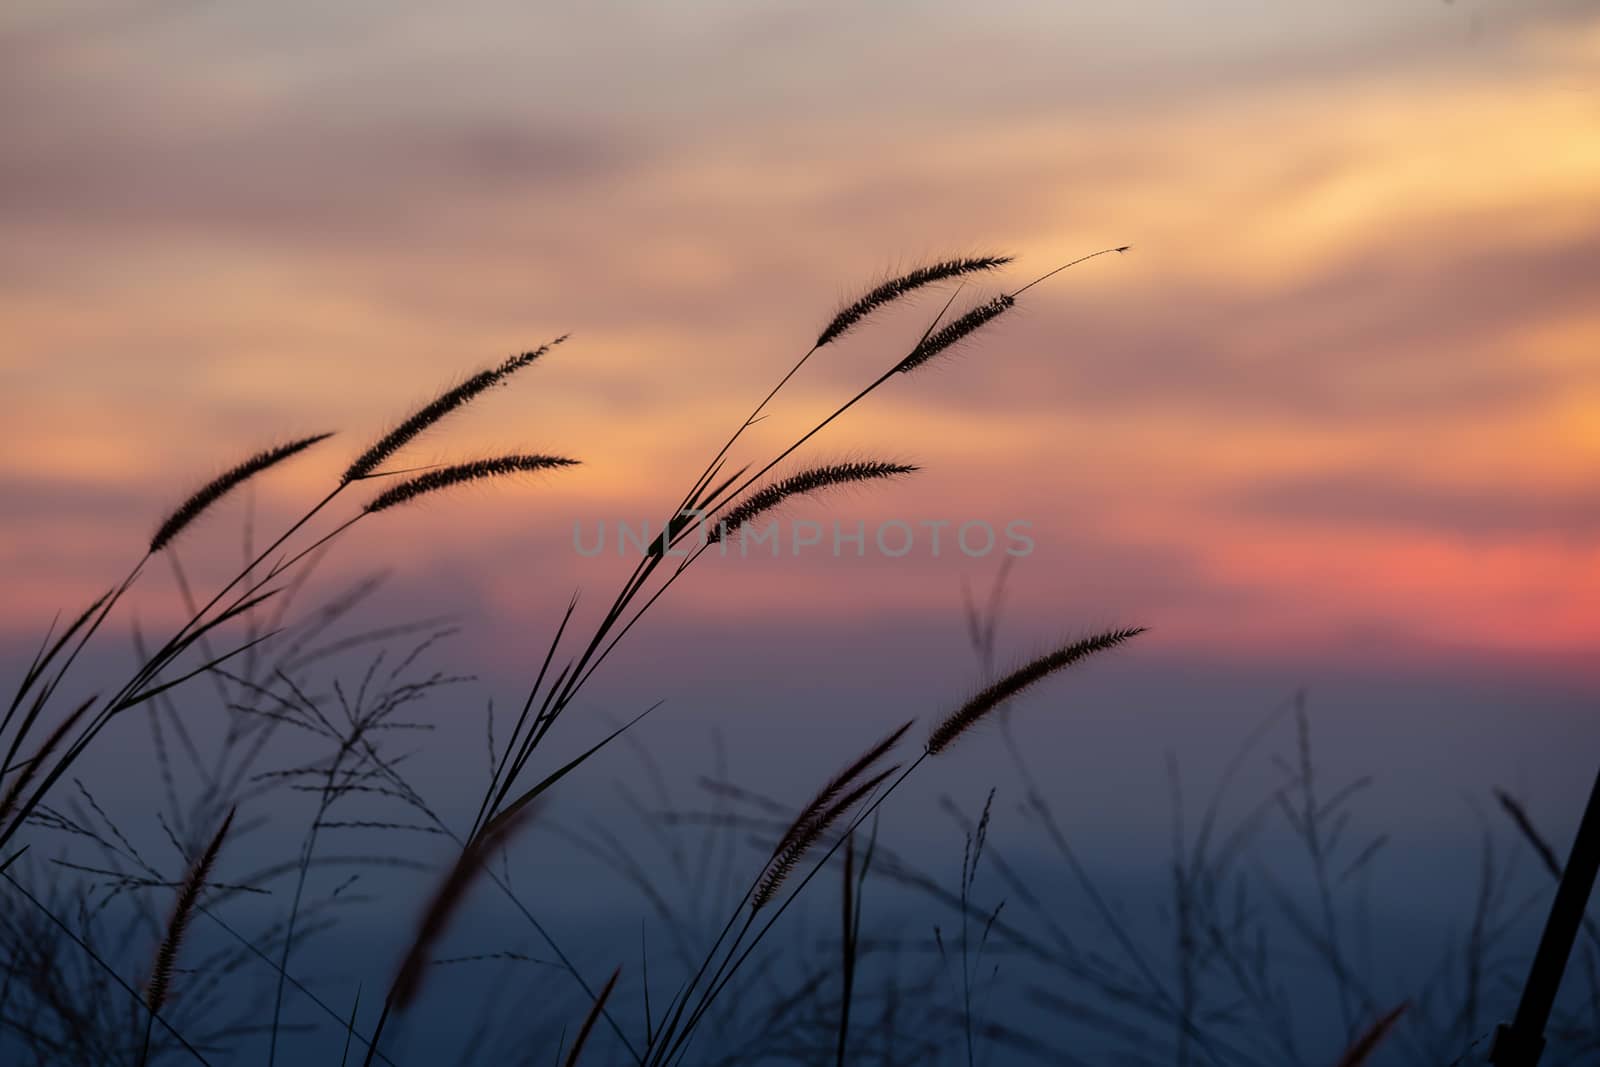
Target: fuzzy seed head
point(952, 333)
point(805, 483)
point(895, 288)
point(446, 402)
point(461, 473)
point(988, 699)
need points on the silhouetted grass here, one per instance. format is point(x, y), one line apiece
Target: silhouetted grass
point(305, 720)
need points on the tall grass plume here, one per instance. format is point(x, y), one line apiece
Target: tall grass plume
point(218, 487)
point(956, 331)
point(595, 1009)
point(807, 834)
point(897, 287)
point(160, 984)
point(461, 473)
point(446, 899)
point(811, 480)
point(993, 696)
point(442, 405)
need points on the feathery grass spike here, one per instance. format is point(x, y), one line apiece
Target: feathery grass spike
point(222, 484)
point(809, 832)
point(840, 782)
point(1519, 815)
point(969, 714)
point(1358, 1053)
point(895, 288)
point(442, 405)
point(448, 897)
point(188, 896)
point(445, 477)
point(956, 331)
point(807, 481)
point(595, 1009)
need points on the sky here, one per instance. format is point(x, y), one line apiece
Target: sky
point(1333, 420)
point(1339, 398)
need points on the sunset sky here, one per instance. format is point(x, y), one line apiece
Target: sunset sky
point(1340, 400)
